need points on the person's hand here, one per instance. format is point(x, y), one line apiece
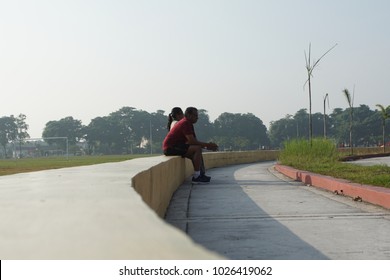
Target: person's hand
point(212, 146)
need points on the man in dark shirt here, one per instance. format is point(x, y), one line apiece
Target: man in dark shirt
point(181, 140)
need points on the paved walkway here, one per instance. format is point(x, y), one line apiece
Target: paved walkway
point(373, 161)
point(252, 212)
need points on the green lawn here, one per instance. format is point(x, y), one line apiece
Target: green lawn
point(323, 158)
point(13, 166)
point(378, 175)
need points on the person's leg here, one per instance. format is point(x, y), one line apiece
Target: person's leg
point(194, 153)
point(178, 150)
point(202, 168)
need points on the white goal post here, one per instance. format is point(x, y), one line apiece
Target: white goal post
point(46, 138)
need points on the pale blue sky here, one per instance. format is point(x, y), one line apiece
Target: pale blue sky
point(89, 58)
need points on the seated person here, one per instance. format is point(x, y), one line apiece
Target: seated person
point(175, 116)
point(181, 140)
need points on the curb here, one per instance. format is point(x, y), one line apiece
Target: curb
point(367, 193)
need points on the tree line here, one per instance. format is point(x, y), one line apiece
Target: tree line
point(366, 128)
point(133, 131)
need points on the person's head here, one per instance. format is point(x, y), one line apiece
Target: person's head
point(175, 115)
point(191, 114)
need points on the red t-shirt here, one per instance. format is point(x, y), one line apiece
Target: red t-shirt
point(177, 135)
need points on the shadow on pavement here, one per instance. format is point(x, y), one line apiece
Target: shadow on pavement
point(227, 217)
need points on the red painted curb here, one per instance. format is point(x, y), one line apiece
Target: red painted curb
point(372, 194)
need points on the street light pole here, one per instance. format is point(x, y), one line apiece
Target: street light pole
point(325, 98)
point(151, 142)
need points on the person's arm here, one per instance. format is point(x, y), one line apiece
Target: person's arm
point(191, 140)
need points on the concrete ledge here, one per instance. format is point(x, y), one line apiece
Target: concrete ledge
point(372, 194)
point(159, 179)
point(89, 212)
point(105, 211)
point(230, 158)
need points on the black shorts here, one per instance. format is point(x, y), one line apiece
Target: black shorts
point(178, 150)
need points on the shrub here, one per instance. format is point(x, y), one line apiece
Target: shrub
point(300, 154)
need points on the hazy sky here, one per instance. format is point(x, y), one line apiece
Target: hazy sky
point(89, 58)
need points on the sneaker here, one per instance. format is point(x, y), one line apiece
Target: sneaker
point(200, 180)
point(205, 176)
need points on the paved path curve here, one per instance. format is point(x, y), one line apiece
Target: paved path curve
point(250, 211)
point(373, 161)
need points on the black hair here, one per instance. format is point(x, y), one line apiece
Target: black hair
point(190, 111)
point(173, 116)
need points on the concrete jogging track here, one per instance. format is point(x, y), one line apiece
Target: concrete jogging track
point(252, 211)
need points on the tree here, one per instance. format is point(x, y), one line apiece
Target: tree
point(283, 130)
point(350, 104)
point(22, 133)
point(385, 114)
point(365, 128)
point(8, 132)
point(366, 132)
point(310, 68)
point(142, 126)
point(127, 131)
point(291, 127)
point(256, 131)
point(240, 132)
point(204, 127)
point(100, 135)
point(158, 130)
point(223, 131)
point(66, 127)
point(300, 120)
point(338, 128)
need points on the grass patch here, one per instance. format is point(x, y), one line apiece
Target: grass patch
point(300, 154)
point(13, 166)
point(323, 158)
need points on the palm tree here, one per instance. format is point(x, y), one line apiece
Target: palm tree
point(350, 103)
point(309, 68)
point(385, 113)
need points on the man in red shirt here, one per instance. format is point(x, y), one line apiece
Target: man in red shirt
point(181, 140)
